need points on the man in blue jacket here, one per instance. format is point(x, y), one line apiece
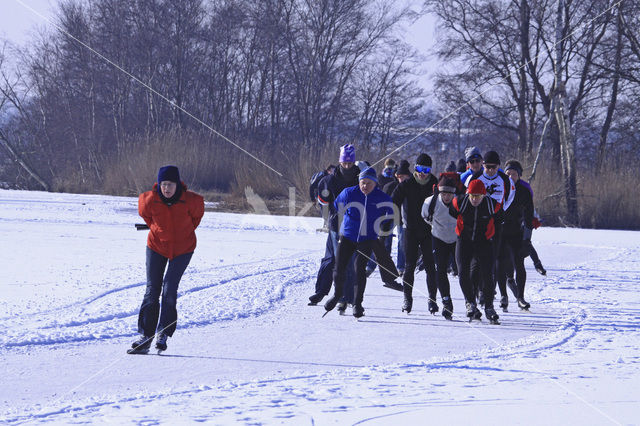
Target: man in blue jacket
point(329, 188)
point(364, 209)
point(474, 163)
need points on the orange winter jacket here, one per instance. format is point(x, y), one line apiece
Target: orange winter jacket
point(171, 228)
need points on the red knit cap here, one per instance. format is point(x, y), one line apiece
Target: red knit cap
point(477, 187)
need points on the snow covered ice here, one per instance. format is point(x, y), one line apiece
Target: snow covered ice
point(249, 350)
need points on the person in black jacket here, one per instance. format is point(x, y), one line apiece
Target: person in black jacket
point(388, 173)
point(409, 196)
point(516, 219)
point(499, 187)
point(475, 226)
point(315, 181)
point(313, 194)
point(403, 173)
point(329, 188)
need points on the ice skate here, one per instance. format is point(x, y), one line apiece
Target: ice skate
point(504, 303)
point(358, 311)
point(523, 304)
point(314, 299)
point(408, 304)
point(393, 285)
point(491, 315)
point(447, 307)
point(472, 312)
point(433, 307)
point(140, 346)
point(161, 342)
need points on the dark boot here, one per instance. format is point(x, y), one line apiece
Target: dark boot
point(433, 306)
point(504, 302)
point(314, 299)
point(143, 341)
point(472, 311)
point(407, 289)
point(408, 303)
point(523, 304)
point(358, 311)
point(491, 314)
point(447, 307)
point(141, 346)
point(331, 303)
point(161, 342)
point(393, 285)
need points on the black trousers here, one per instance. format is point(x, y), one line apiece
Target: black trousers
point(443, 253)
point(475, 267)
point(413, 247)
point(529, 250)
point(511, 258)
point(497, 248)
point(346, 250)
point(482, 251)
point(328, 264)
point(151, 308)
point(388, 270)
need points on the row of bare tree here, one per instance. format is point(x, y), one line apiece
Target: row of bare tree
point(269, 75)
point(560, 75)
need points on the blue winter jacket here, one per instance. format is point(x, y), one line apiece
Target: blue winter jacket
point(465, 175)
point(377, 205)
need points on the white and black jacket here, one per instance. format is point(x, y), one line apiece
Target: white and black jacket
point(443, 225)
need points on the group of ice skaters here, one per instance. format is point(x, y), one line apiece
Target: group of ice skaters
point(482, 217)
point(475, 220)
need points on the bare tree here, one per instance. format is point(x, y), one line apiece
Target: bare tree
point(327, 41)
point(9, 98)
point(508, 50)
point(615, 86)
point(270, 74)
point(567, 144)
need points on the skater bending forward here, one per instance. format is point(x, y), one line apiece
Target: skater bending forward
point(365, 211)
point(172, 214)
point(474, 213)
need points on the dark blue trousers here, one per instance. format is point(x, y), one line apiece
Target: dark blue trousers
point(168, 286)
point(327, 265)
point(345, 253)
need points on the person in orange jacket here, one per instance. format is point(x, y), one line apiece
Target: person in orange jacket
point(172, 214)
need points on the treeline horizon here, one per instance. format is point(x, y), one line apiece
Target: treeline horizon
point(262, 94)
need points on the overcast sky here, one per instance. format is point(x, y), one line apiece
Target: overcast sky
point(18, 22)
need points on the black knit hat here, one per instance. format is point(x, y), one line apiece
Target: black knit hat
point(404, 168)
point(514, 165)
point(451, 167)
point(169, 173)
point(491, 157)
point(447, 184)
point(462, 166)
point(424, 160)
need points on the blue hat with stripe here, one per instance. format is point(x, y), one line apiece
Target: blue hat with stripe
point(369, 173)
